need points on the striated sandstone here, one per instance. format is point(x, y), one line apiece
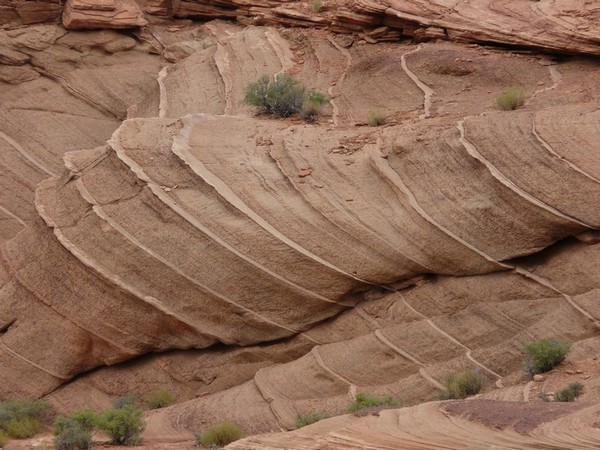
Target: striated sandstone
point(273, 267)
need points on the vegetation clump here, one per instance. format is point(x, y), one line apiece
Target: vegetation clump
point(317, 5)
point(220, 435)
point(22, 419)
point(160, 399)
point(363, 401)
point(376, 119)
point(307, 419)
point(511, 99)
point(570, 393)
point(123, 425)
point(130, 399)
point(75, 431)
point(463, 384)
point(284, 96)
point(545, 354)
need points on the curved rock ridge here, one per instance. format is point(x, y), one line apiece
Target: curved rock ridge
point(315, 260)
point(472, 424)
point(404, 344)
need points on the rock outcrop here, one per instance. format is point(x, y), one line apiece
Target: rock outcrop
point(315, 260)
point(552, 25)
point(466, 424)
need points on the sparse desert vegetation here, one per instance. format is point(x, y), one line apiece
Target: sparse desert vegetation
point(376, 119)
point(159, 399)
point(545, 354)
point(363, 401)
point(220, 435)
point(283, 96)
point(123, 425)
point(307, 419)
point(569, 394)
point(463, 384)
point(20, 419)
point(511, 99)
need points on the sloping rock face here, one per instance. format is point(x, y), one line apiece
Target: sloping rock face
point(281, 267)
point(465, 424)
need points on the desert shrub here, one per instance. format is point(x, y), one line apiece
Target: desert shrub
point(363, 401)
point(85, 419)
point(130, 399)
point(22, 419)
point(511, 99)
point(307, 419)
point(3, 438)
point(463, 384)
point(545, 354)
point(123, 425)
point(73, 434)
point(283, 97)
point(280, 97)
point(317, 5)
point(570, 393)
point(375, 119)
point(160, 399)
point(219, 435)
point(313, 105)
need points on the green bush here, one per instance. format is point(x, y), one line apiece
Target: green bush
point(22, 419)
point(283, 97)
point(307, 419)
point(363, 401)
point(3, 438)
point(511, 99)
point(317, 5)
point(463, 384)
point(570, 393)
point(123, 425)
point(85, 419)
point(220, 435)
point(72, 434)
point(130, 399)
point(313, 105)
point(545, 354)
point(160, 399)
point(375, 119)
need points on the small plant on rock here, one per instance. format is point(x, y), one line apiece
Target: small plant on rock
point(463, 384)
point(160, 399)
point(307, 419)
point(511, 99)
point(376, 119)
point(123, 425)
point(545, 354)
point(317, 5)
point(220, 435)
point(570, 393)
point(363, 401)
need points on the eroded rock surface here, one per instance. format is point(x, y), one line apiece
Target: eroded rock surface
point(273, 267)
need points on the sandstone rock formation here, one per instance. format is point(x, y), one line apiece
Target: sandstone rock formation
point(278, 265)
point(458, 425)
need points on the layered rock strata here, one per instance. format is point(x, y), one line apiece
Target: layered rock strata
point(374, 259)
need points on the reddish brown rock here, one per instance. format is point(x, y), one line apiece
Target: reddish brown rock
point(92, 14)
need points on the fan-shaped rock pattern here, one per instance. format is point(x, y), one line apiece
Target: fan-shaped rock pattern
point(199, 228)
